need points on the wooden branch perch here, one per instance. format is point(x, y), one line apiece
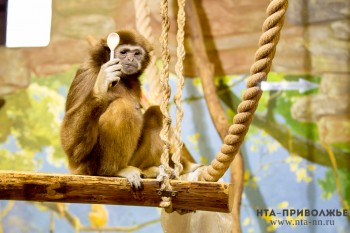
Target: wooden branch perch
point(47, 187)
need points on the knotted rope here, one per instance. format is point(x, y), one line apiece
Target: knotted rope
point(181, 18)
point(259, 71)
point(165, 169)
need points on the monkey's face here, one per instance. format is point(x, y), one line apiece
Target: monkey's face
point(131, 57)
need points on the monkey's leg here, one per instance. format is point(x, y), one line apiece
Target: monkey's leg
point(189, 166)
point(150, 172)
point(120, 129)
point(150, 145)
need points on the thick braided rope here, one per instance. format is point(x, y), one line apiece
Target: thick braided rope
point(164, 79)
point(259, 71)
point(143, 26)
point(181, 18)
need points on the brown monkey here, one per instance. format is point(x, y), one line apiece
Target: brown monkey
point(103, 131)
point(103, 120)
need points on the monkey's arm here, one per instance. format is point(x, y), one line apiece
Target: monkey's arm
point(79, 130)
point(87, 99)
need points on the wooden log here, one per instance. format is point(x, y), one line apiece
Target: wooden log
point(47, 187)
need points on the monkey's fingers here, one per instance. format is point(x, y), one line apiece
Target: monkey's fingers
point(114, 68)
point(114, 75)
point(113, 81)
point(135, 181)
point(112, 62)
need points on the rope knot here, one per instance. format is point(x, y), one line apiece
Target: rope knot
point(165, 173)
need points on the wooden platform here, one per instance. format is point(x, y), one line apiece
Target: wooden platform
point(48, 187)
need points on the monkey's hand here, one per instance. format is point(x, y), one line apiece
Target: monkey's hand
point(110, 73)
point(133, 175)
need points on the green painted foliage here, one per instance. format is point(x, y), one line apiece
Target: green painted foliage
point(32, 117)
point(328, 185)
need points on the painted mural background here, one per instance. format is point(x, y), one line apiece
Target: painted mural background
point(296, 153)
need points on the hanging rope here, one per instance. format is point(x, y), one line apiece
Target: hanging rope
point(143, 25)
point(181, 18)
point(259, 71)
point(165, 169)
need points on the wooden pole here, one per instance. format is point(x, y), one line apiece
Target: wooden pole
point(47, 187)
point(205, 70)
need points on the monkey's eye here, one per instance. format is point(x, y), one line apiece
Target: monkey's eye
point(124, 52)
point(137, 53)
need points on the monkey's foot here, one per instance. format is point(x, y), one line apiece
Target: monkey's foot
point(133, 175)
point(135, 180)
point(136, 185)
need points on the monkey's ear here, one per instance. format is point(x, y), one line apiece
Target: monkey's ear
point(100, 53)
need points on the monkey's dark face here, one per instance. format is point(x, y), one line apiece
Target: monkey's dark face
point(131, 57)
